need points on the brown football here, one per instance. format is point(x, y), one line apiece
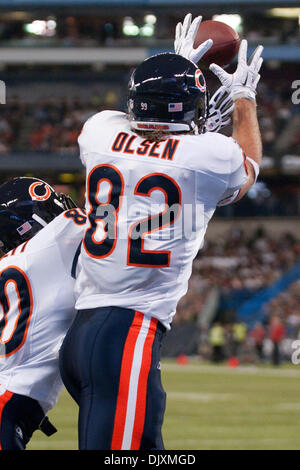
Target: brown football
point(226, 43)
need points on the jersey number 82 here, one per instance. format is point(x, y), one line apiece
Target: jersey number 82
point(108, 216)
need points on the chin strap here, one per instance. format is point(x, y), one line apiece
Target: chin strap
point(194, 128)
point(47, 427)
point(39, 220)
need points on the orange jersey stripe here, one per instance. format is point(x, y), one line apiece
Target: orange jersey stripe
point(24, 246)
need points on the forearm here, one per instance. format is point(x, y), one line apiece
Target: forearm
point(242, 85)
point(246, 129)
point(246, 132)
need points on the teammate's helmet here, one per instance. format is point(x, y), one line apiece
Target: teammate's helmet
point(26, 206)
point(167, 92)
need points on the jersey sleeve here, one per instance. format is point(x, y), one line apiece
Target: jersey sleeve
point(84, 139)
point(238, 174)
point(97, 128)
point(67, 233)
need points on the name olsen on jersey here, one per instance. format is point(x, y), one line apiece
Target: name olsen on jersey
point(126, 143)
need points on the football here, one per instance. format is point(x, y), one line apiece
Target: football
point(226, 43)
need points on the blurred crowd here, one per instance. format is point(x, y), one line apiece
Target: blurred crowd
point(275, 111)
point(237, 263)
point(53, 125)
point(236, 343)
point(286, 307)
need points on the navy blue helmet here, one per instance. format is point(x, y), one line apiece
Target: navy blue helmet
point(26, 206)
point(167, 92)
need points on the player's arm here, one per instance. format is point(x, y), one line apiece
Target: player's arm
point(242, 86)
point(246, 132)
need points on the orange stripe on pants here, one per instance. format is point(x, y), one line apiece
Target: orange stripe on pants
point(4, 399)
point(139, 419)
point(127, 358)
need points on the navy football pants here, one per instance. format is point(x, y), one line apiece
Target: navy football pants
point(110, 364)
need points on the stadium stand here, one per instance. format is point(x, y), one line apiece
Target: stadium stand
point(78, 62)
point(238, 266)
point(23, 124)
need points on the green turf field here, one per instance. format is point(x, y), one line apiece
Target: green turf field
point(211, 407)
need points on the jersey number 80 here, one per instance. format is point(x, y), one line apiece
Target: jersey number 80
point(12, 336)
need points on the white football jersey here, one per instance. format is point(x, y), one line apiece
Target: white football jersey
point(148, 207)
point(37, 306)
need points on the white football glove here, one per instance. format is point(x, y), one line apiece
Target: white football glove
point(220, 109)
point(243, 82)
point(184, 39)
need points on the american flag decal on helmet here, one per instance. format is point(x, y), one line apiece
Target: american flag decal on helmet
point(175, 107)
point(24, 228)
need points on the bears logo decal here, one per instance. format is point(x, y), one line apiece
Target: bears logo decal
point(43, 193)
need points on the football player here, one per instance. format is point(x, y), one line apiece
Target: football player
point(153, 181)
point(40, 232)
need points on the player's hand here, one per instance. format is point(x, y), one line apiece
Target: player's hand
point(184, 39)
point(243, 82)
point(221, 107)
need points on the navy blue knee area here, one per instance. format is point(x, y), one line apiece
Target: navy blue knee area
point(91, 362)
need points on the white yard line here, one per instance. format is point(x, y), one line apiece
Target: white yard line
point(241, 370)
point(202, 397)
